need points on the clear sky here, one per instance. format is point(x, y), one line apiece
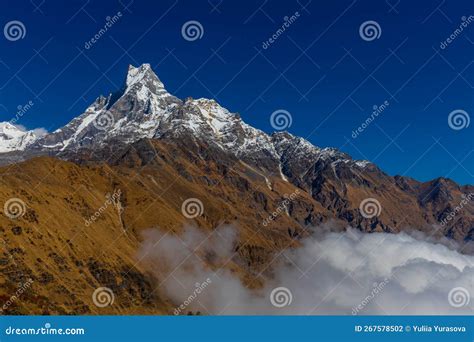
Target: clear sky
point(320, 69)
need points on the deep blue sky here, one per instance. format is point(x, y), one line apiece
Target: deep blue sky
point(320, 70)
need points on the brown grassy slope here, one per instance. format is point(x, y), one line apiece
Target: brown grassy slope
point(67, 259)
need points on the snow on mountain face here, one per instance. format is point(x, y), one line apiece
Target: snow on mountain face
point(13, 138)
point(144, 104)
point(144, 109)
point(298, 155)
point(77, 133)
point(144, 75)
point(130, 115)
point(207, 120)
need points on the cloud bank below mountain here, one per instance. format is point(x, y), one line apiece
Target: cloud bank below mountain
point(331, 273)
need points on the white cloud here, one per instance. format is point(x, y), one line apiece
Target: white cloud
point(20, 127)
point(39, 132)
point(333, 273)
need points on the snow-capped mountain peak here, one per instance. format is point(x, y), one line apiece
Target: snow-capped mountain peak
point(206, 120)
point(7, 128)
point(135, 74)
point(133, 113)
point(210, 113)
point(13, 138)
point(144, 109)
point(144, 76)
